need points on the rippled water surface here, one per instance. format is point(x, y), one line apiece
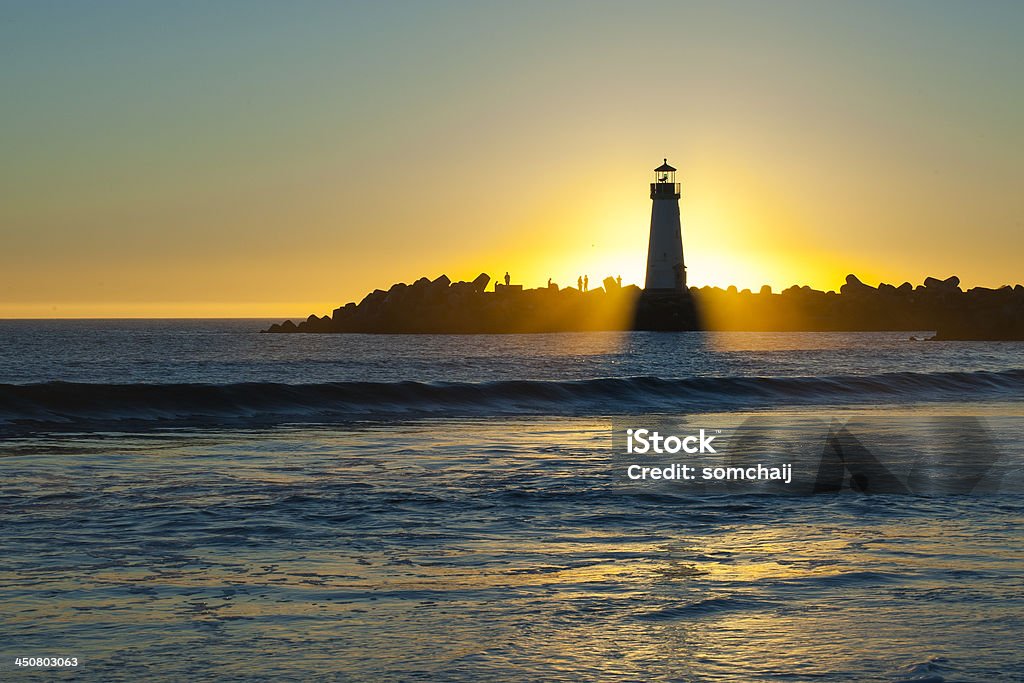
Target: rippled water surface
point(494, 544)
point(169, 351)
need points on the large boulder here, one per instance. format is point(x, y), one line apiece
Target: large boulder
point(948, 285)
point(373, 298)
point(854, 286)
point(397, 293)
point(481, 281)
point(437, 291)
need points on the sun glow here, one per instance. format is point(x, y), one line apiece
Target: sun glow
point(321, 172)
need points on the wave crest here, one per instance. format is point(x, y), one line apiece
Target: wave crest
point(57, 405)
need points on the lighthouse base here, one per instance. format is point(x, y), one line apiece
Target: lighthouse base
point(666, 310)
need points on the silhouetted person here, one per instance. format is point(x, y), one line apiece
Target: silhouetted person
point(579, 283)
point(507, 279)
point(618, 280)
point(586, 283)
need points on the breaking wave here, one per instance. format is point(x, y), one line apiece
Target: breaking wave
point(62, 405)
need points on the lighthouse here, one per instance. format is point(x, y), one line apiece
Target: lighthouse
point(665, 267)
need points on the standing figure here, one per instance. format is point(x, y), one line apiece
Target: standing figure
point(507, 279)
point(586, 283)
point(579, 283)
point(618, 280)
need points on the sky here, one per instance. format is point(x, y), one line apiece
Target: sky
point(250, 159)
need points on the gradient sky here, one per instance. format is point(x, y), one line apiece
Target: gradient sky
point(249, 158)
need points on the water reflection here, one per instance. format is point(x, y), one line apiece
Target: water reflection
point(488, 549)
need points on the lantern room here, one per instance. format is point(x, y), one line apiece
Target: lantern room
point(665, 185)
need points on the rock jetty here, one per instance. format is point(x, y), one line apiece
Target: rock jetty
point(441, 306)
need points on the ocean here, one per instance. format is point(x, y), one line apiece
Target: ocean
point(191, 501)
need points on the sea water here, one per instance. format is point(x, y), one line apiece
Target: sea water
point(191, 500)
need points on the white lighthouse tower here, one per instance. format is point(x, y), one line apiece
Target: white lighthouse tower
point(665, 267)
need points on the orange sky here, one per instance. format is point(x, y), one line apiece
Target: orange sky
point(210, 161)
